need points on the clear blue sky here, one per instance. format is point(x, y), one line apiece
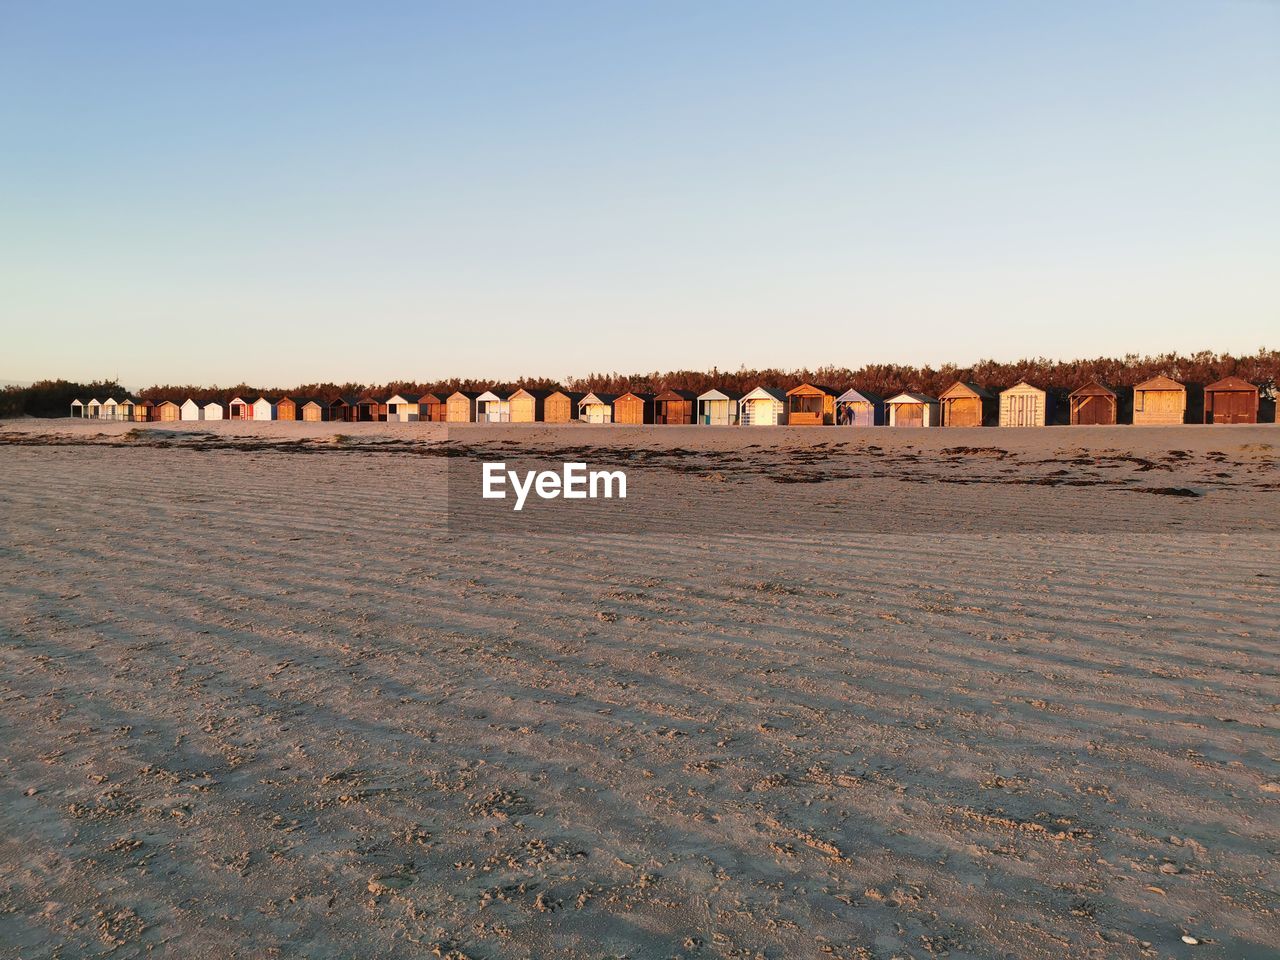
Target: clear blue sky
point(289, 191)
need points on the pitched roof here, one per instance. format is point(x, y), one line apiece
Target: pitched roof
point(966, 388)
point(907, 396)
point(852, 395)
point(593, 397)
point(716, 393)
point(404, 398)
point(1160, 383)
point(1023, 383)
point(633, 393)
point(1232, 383)
point(536, 394)
point(676, 395)
point(808, 387)
point(1093, 389)
point(774, 392)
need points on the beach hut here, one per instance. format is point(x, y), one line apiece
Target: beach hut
point(909, 409)
point(633, 408)
point(719, 408)
point(167, 411)
point(675, 407)
point(1159, 400)
point(143, 410)
point(403, 408)
point(239, 409)
point(343, 409)
point(287, 408)
point(965, 404)
point(1024, 405)
point(763, 407)
point(859, 408)
point(596, 407)
point(1093, 405)
point(433, 408)
point(1231, 400)
point(461, 406)
point(77, 408)
point(811, 405)
point(371, 410)
point(93, 409)
point(125, 409)
point(313, 411)
point(492, 408)
point(110, 409)
point(212, 411)
point(561, 406)
point(527, 406)
point(264, 408)
point(190, 410)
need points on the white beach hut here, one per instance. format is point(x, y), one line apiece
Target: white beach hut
point(110, 409)
point(764, 407)
point(596, 407)
point(264, 409)
point(93, 409)
point(190, 410)
point(719, 408)
point(403, 408)
point(909, 409)
point(491, 408)
point(859, 408)
point(77, 408)
point(211, 411)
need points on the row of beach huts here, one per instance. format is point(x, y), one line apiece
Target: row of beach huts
point(1160, 400)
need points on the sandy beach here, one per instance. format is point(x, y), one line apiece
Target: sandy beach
point(273, 690)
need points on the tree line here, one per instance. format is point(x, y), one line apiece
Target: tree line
point(52, 398)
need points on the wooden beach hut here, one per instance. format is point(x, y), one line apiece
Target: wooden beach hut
point(492, 408)
point(561, 406)
point(125, 409)
point(239, 409)
point(313, 411)
point(143, 410)
point(110, 409)
point(77, 408)
point(719, 408)
point(596, 407)
point(264, 408)
point(93, 409)
point(462, 406)
point(371, 410)
point(909, 409)
point(675, 407)
point(811, 405)
point(191, 410)
point(965, 404)
point(167, 411)
point(633, 408)
point(433, 408)
point(763, 407)
point(343, 409)
point(1160, 400)
point(859, 408)
point(1231, 400)
point(287, 408)
point(1093, 405)
point(527, 406)
point(404, 408)
point(212, 410)
point(1025, 405)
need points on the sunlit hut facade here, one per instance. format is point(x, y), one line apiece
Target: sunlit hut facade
point(93, 409)
point(965, 404)
point(77, 408)
point(492, 408)
point(1160, 400)
point(561, 406)
point(633, 408)
point(433, 408)
point(371, 410)
point(1025, 405)
point(239, 409)
point(1231, 400)
point(167, 411)
point(596, 407)
point(403, 408)
point(213, 410)
point(264, 408)
point(763, 407)
point(191, 410)
point(719, 408)
point(859, 408)
point(675, 407)
point(910, 409)
point(462, 406)
point(811, 405)
point(314, 411)
point(1094, 404)
point(110, 409)
point(527, 406)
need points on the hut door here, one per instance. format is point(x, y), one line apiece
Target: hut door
point(910, 415)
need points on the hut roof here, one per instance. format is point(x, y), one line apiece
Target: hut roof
point(715, 393)
point(309, 402)
point(761, 393)
point(431, 398)
point(268, 399)
point(344, 402)
point(469, 394)
point(525, 391)
point(1160, 383)
point(811, 388)
point(636, 394)
point(907, 396)
point(605, 398)
point(676, 395)
point(966, 388)
point(364, 400)
point(1231, 383)
point(1023, 383)
point(488, 395)
point(864, 396)
point(574, 395)
point(1093, 389)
